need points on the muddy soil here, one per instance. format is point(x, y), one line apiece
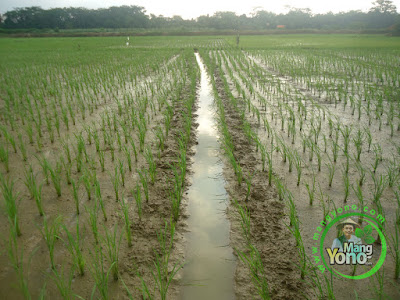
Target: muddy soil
point(268, 231)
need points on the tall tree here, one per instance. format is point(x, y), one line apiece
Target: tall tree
point(383, 7)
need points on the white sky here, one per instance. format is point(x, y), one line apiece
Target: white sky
point(188, 9)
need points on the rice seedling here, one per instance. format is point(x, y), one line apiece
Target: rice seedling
point(235, 164)
point(299, 166)
point(119, 142)
point(116, 182)
point(245, 222)
point(325, 207)
point(143, 179)
point(346, 165)
point(377, 283)
point(22, 147)
point(64, 283)
point(75, 190)
point(331, 171)
point(361, 171)
point(67, 151)
point(182, 158)
point(141, 126)
point(311, 190)
point(112, 244)
point(134, 149)
point(50, 234)
point(253, 261)
point(11, 199)
point(295, 230)
point(392, 174)
point(34, 190)
point(319, 157)
point(160, 136)
point(74, 247)
point(358, 142)
point(128, 158)
point(16, 257)
point(101, 160)
point(125, 212)
point(380, 183)
point(39, 143)
point(99, 198)
point(138, 199)
point(335, 148)
point(87, 180)
point(378, 156)
point(29, 132)
point(163, 274)
point(99, 274)
point(10, 139)
point(4, 158)
point(93, 215)
point(122, 172)
point(55, 175)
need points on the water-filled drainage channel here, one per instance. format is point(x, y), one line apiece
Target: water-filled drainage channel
point(210, 263)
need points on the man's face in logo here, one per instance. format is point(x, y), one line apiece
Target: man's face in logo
point(348, 230)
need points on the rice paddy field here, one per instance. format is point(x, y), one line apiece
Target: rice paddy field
point(98, 161)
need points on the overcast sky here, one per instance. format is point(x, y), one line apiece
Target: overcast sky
point(193, 9)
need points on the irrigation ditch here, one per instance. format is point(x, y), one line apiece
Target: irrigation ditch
point(209, 260)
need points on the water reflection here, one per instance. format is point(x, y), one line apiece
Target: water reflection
point(210, 263)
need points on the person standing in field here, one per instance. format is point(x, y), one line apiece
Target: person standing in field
point(348, 228)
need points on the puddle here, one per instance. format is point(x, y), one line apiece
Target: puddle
point(210, 263)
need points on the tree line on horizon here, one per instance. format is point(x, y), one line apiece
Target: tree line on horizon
point(383, 14)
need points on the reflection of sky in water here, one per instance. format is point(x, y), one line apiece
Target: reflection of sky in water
point(208, 262)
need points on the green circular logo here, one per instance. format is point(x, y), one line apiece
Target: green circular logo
point(371, 221)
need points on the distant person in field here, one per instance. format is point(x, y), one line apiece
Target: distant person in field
point(347, 227)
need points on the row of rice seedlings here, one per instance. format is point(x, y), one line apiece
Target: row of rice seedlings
point(294, 228)
point(164, 273)
point(251, 257)
point(50, 234)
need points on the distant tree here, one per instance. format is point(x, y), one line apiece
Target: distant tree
point(383, 7)
point(396, 29)
point(226, 20)
point(382, 15)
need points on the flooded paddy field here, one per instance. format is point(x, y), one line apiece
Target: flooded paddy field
point(190, 168)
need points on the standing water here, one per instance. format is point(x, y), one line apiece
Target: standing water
point(210, 263)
